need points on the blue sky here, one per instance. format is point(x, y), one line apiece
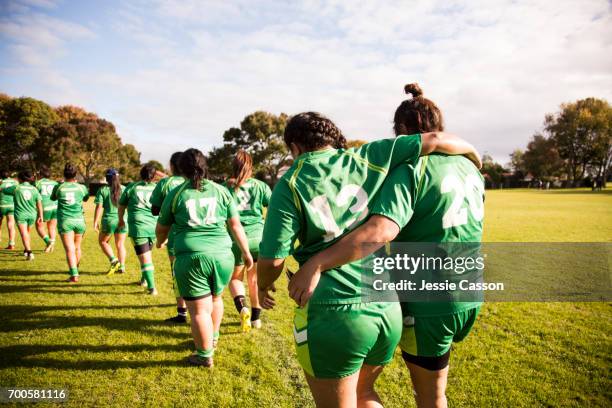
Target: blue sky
point(176, 74)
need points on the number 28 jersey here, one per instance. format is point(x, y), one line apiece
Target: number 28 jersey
point(198, 218)
point(137, 198)
point(69, 197)
point(322, 196)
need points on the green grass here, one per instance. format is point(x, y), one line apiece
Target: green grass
point(103, 339)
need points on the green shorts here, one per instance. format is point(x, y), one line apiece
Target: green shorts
point(6, 210)
point(253, 233)
point(111, 226)
point(75, 225)
point(49, 214)
point(334, 341)
point(199, 275)
point(28, 220)
point(432, 336)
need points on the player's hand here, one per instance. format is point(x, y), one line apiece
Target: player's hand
point(265, 298)
point(303, 284)
point(248, 261)
point(97, 226)
point(161, 244)
point(39, 220)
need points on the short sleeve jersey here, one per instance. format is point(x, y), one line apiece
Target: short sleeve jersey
point(6, 201)
point(136, 198)
point(45, 187)
point(162, 189)
point(251, 198)
point(103, 198)
point(322, 196)
point(25, 196)
point(69, 196)
point(441, 199)
point(199, 218)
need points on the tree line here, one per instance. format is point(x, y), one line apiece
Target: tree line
point(575, 145)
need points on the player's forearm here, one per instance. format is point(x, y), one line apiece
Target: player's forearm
point(97, 214)
point(357, 244)
point(268, 271)
point(239, 235)
point(121, 213)
point(161, 232)
point(449, 143)
point(39, 208)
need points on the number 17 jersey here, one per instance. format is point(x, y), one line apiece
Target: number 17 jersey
point(137, 199)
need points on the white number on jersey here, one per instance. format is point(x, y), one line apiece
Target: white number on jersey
point(27, 195)
point(70, 198)
point(243, 200)
point(144, 198)
point(47, 189)
point(471, 189)
point(321, 206)
point(209, 203)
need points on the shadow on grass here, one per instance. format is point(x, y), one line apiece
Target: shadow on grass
point(579, 192)
point(22, 311)
point(32, 356)
point(25, 272)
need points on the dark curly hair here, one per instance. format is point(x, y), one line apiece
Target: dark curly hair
point(147, 172)
point(193, 166)
point(25, 175)
point(417, 114)
point(70, 171)
point(312, 131)
point(174, 161)
point(44, 171)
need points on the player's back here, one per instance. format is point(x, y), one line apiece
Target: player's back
point(449, 205)
point(250, 197)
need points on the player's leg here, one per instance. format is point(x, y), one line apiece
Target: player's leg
point(68, 242)
point(25, 239)
point(202, 330)
point(52, 230)
point(334, 392)
point(121, 251)
point(217, 317)
point(143, 247)
point(238, 294)
point(10, 224)
point(429, 386)
point(78, 240)
point(104, 242)
point(254, 297)
point(181, 306)
point(367, 397)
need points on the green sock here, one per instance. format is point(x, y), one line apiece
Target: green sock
point(46, 239)
point(122, 266)
point(112, 259)
point(205, 353)
point(147, 272)
point(12, 243)
point(74, 271)
point(216, 335)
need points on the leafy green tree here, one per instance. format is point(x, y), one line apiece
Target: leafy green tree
point(582, 135)
point(260, 134)
point(492, 170)
point(541, 159)
point(128, 163)
point(355, 143)
point(22, 123)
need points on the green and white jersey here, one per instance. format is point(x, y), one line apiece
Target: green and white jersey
point(6, 201)
point(137, 198)
point(162, 189)
point(45, 187)
point(322, 196)
point(103, 197)
point(199, 217)
point(25, 196)
point(70, 197)
point(441, 199)
point(250, 198)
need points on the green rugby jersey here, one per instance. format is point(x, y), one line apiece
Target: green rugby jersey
point(198, 218)
point(250, 198)
point(162, 189)
point(6, 201)
point(322, 196)
point(137, 198)
point(441, 199)
point(69, 196)
point(25, 196)
point(45, 187)
point(103, 197)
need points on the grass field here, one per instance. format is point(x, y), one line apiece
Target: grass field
point(103, 339)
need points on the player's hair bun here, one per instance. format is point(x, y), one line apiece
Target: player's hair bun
point(413, 89)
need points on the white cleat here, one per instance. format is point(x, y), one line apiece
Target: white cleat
point(256, 324)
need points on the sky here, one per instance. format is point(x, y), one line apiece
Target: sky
point(173, 74)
